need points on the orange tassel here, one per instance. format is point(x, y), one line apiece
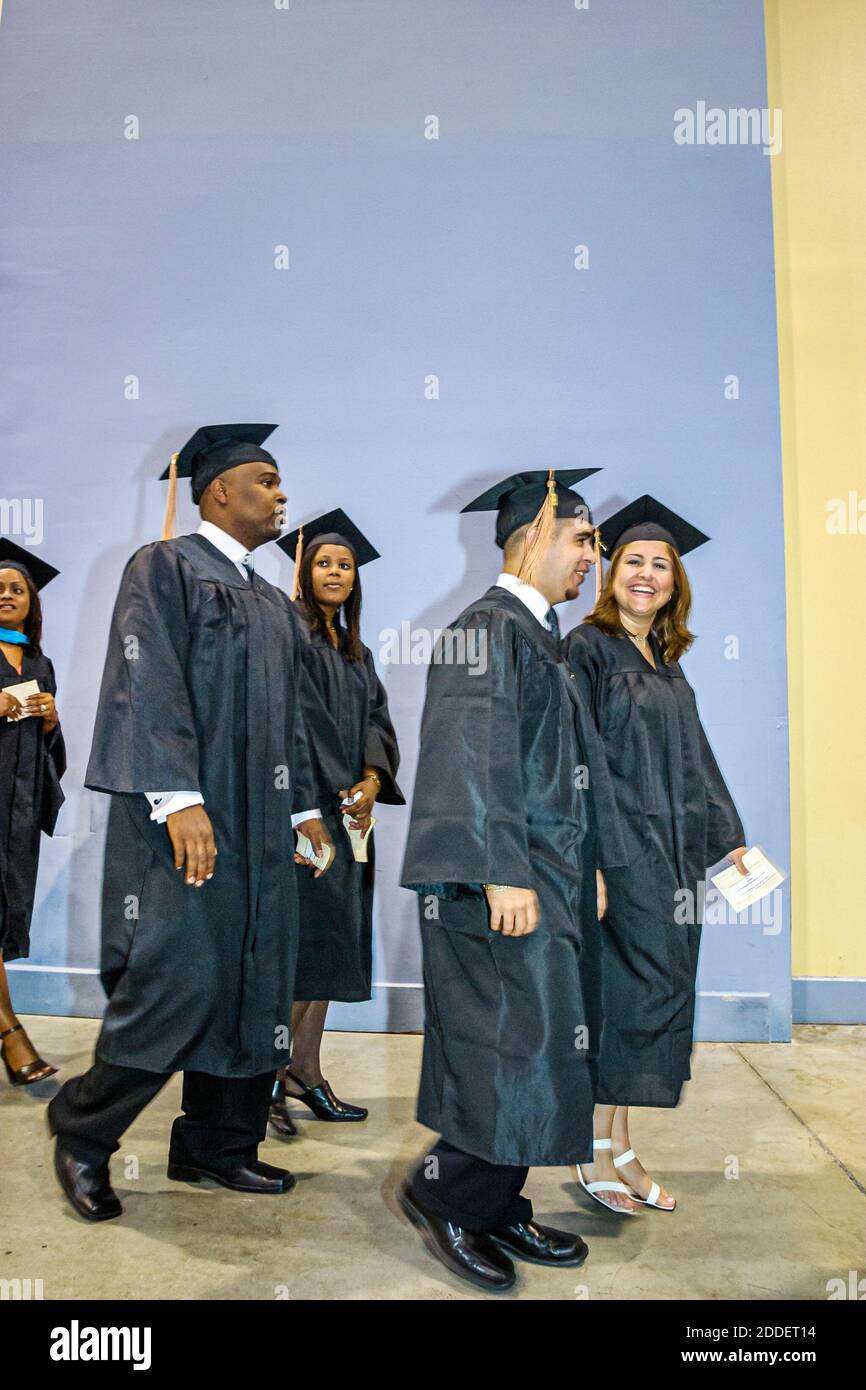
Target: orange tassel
point(598, 549)
point(543, 525)
point(170, 501)
point(299, 553)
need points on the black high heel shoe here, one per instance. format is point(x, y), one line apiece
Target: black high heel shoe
point(278, 1114)
point(31, 1072)
point(324, 1104)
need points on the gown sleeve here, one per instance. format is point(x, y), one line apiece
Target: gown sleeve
point(469, 818)
point(724, 827)
point(54, 752)
point(307, 796)
point(608, 839)
point(380, 743)
point(145, 734)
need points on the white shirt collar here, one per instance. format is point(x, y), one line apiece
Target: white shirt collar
point(527, 593)
point(227, 545)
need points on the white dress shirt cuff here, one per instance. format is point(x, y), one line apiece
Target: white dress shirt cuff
point(305, 815)
point(166, 803)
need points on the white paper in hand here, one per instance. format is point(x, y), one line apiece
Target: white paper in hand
point(360, 839)
point(741, 891)
point(305, 848)
point(22, 692)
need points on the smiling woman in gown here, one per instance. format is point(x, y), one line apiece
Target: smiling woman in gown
point(678, 818)
point(32, 762)
point(354, 752)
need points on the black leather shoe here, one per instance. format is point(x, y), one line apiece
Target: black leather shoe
point(245, 1177)
point(471, 1257)
point(87, 1186)
point(541, 1245)
point(324, 1104)
point(280, 1119)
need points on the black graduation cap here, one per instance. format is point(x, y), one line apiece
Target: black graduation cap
point(332, 528)
point(518, 499)
point(15, 557)
point(215, 448)
point(646, 519)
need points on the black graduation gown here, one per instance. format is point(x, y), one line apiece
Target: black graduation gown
point(200, 693)
point(31, 766)
point(348, 725)
point(512, 1023)
point(678, 818)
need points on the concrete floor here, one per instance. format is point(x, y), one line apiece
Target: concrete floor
point(789, 1119)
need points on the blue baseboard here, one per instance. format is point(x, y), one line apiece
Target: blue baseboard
point(77, 993)
point(829, 999)
point(719, 1017)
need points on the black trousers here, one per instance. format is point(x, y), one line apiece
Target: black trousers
point(469, 1191)
point(224, 1118)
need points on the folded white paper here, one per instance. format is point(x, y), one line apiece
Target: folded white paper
point(360, 839)
point(22, 692)
point(741, 891)
point(305, 848)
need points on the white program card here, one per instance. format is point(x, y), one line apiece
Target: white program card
point(741, 891)
point(305, 848)
point(22, 692)
point(360, 839)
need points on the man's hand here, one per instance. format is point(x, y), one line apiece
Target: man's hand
point(600, 894)
point(736, 858)
point(513, 911)
point(191, 835)
point(317, 833)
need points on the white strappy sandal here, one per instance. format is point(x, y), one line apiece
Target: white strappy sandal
point(593, 1188)
point(652, 1197)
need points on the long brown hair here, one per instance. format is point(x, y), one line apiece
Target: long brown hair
point(670, 624)
point(349, 630)
point(33, 622)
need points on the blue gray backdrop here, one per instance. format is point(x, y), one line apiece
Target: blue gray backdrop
point(360, 218)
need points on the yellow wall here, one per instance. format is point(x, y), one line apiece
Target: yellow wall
point(816, 65)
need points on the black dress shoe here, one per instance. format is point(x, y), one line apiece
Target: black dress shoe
point(280, 1119)
point(472, 1257)
point(324, 1104)
point(541, 1245)
point(245, 1177)
point(86, 1185)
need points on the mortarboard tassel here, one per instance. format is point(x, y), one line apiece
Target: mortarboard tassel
point(543, 525)
point(299, 552)
point(599, 547)
point(170, 501)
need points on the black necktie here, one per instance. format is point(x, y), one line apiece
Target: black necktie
point(247, 563)
point(551, 622)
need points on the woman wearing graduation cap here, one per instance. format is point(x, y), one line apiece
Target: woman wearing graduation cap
point(678, 818)
point(32, 762)
point(355, 757)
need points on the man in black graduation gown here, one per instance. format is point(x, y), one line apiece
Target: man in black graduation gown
point(503, 847)
point(201, 744)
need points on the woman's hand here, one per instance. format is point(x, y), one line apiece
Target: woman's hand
point(43, 706)
point(600, 894)
point(362, 809)
point(513, 911)
point(736, 858)
point(10, 708)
